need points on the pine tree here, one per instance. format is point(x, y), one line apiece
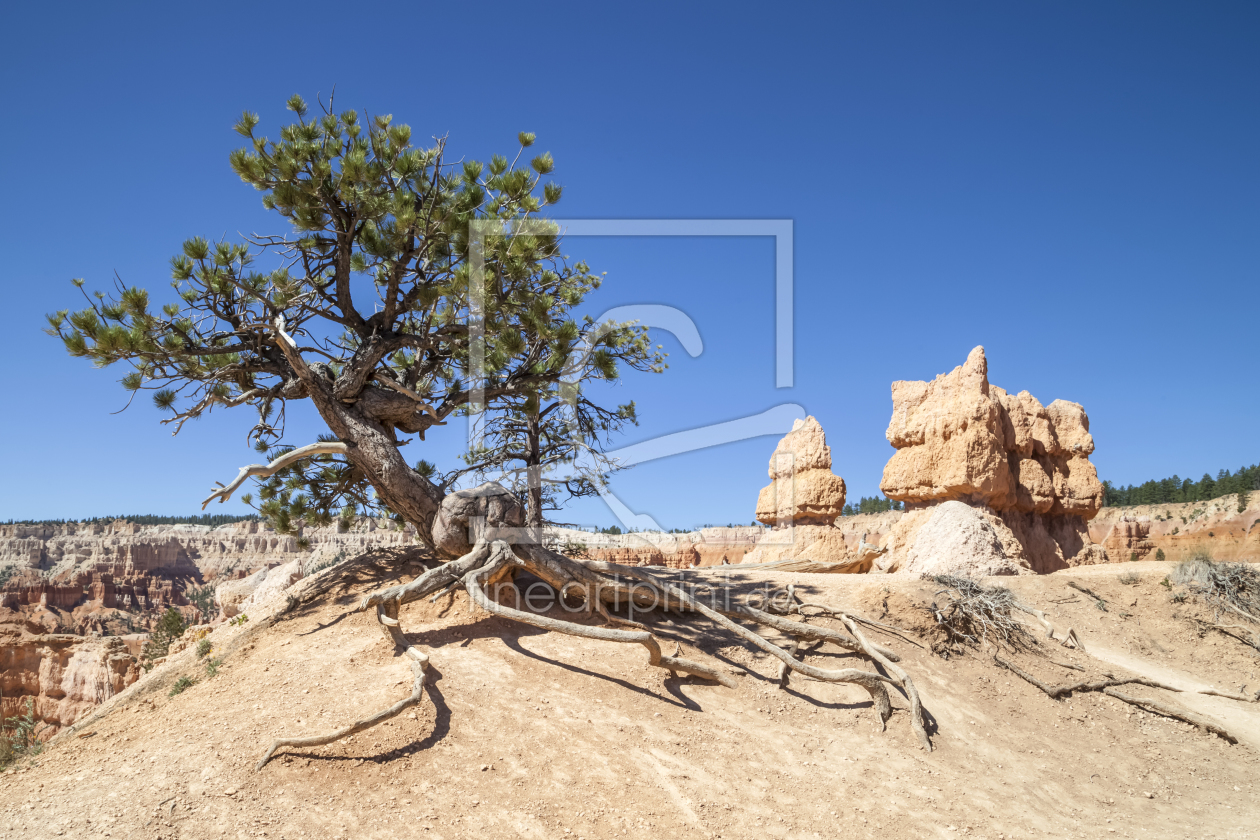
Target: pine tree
point(169, 627)
point(451, 254)
point(551, 442)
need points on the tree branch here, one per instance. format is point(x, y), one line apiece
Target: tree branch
point(388, 382)
point(265, 470)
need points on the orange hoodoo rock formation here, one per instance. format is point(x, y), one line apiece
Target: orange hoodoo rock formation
point(801, 505)
point(993, 483)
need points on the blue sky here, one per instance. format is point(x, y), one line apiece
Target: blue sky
point(1072, 185)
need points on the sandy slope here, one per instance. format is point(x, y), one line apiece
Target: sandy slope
point(542, 736)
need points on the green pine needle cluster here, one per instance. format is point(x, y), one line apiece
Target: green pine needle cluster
point(394, 262)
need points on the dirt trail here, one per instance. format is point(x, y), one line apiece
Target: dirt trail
point(1243, 720)
point(535, 735)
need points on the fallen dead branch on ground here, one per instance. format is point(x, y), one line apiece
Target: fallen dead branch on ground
point(1246, 635)
point(1109, 684)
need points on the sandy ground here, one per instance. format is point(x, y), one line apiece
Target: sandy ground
point(535, 735)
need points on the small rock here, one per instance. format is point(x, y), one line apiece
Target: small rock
point(1148, 794)
point(230, 792)
point(485, 767)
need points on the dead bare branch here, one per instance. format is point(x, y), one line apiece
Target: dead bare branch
point(266, 470)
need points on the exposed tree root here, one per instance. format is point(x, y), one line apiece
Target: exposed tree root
point(903, 679)
point(975, 612)
point(812, 632)
point(502, 556)
point(857, 643)
point(873, 683)
point(602, 584)
point(1057, 691)
point(1099, 601)
point(1108, 687)
point(1175, 713)
point(1246, 635)
point(419, 665)
point(823, 610)
point(1068, 639)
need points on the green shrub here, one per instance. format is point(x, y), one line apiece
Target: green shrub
point(181, 685)
point(17, 736)
point(575, 549)
point(203, 648)
point(1159, 555)
point(212, 667)
point(168, 628)
point(202, 597)
point(238, 620)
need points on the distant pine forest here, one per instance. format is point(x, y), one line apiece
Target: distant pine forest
point(1176, 490)
point(871, 504)
point(214, 520)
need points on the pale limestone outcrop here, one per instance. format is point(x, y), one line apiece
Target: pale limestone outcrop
point(959, 539)
point(1178, 532)
point(1129, 540)
point(231, 594)
point(124, 549)
point(704, 547)
point(821, 544)
point(276, 582)
point(958, 438)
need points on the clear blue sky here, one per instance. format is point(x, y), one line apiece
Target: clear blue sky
point(1075, 186)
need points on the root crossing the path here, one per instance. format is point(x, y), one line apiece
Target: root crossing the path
point(1108, 685)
